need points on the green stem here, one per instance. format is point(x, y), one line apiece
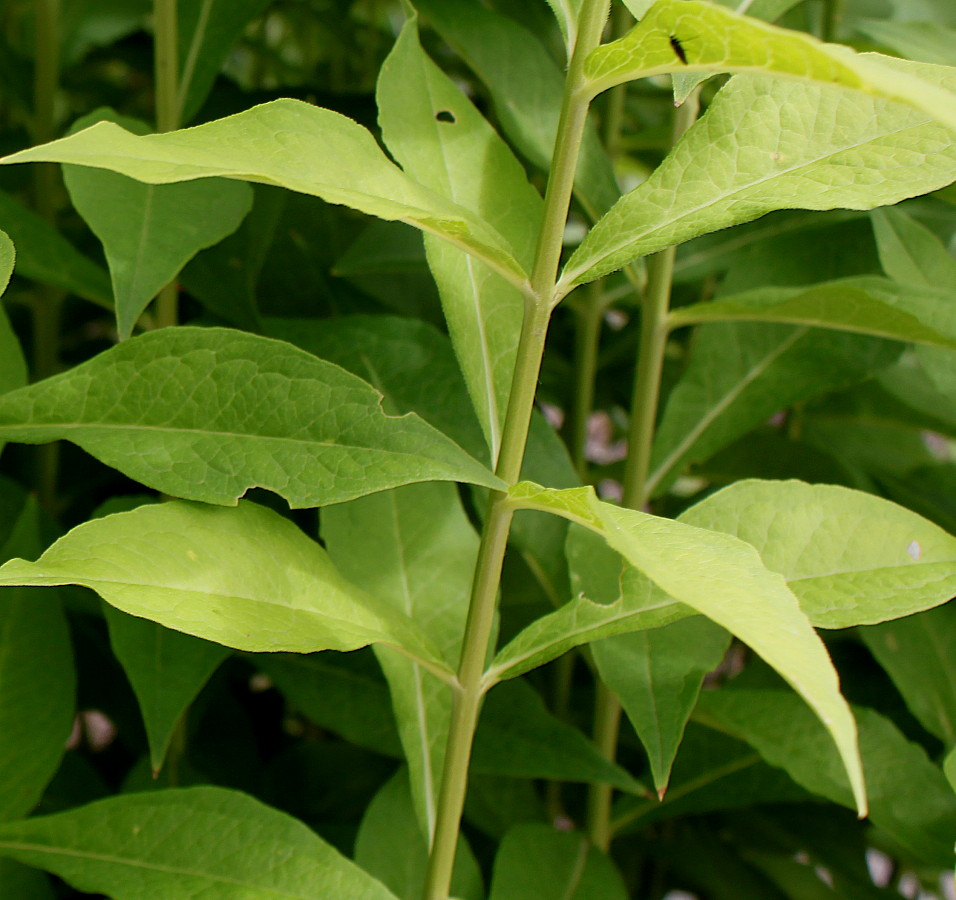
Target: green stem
point(168, 111)
point(590, 315)
point(480, 625)
point(647, 381)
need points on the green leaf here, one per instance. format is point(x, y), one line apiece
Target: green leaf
point(715, 39)
point(526, 86)
point(44, 255)
point(413, 549)
point(150, 231)
point(166, 670)
point(910, 253)
point(391, 847)
point(409, 361)
point(260, 413)
point(919, 654)
point(752, 154)
point(740, 374)
point(909, 798)
point(566, 12)
point(201, 841)
point(518, 736)
point(37, 679)
point(13, 367)
point(949, 768)
point(17, 880)
point(207, 32)
point(657, 674)
point(290, 144)
point(929, 42)
point(724, 578)
point(243, 577)
point(866, 305)
point(535, 862)
point(439, 138)
point(850, 557)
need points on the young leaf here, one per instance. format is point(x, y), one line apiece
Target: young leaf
point(866, 305)
point(657, 674)
point(440, 139)
point(390, 846)
point(910, 253)
point(150, 231)
point(753, 152)
point(201, 841)
point(257, 413)
point(710, 38)
point(919, 654)
point(740, 374)
point(414, 549)
point(293, 145)
point(851, 558)
point(166, 670)
point(37, 679)
point(243, 577)
point(909, 798)
point(44, 255)
point(525, 84)
point(724, 578)
point(535, 862)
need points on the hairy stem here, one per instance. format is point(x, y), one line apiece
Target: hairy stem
point(647, 381)
point(479, 627)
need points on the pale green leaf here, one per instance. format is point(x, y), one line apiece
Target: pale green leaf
point(919, 654)
point(391, 847)
point(714, 39)
point(566, 12)
point(657, 674)
point(440, 139)
point(206, 413)
point(866, 305)
point(724, 578)
point(37, 678)
point(166, 670)
point(909, 797)
point(949, 768)
point(526, 85)
point(536, 862)
point(44, 255)
point(414, 549)
point(768, 144)
point(740, 374)
point(290, 144)
point(197, 842)
point(245, 577)
point(207, 31)
point(850, 557)
point(150, 231)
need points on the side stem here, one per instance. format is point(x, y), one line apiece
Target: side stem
point(480, 625)
point(166, 68)
point(647, 382)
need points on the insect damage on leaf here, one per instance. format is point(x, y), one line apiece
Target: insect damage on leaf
point(446, 115)
point(678, 48)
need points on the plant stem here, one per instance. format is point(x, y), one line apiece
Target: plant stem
point(166, 68)
point(47, 300)
point(589, 316)
point(647, 381)
point(480, 625)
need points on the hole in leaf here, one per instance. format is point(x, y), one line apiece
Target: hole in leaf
point(446, 115)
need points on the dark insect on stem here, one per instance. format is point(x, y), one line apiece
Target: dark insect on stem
point(678, 48)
